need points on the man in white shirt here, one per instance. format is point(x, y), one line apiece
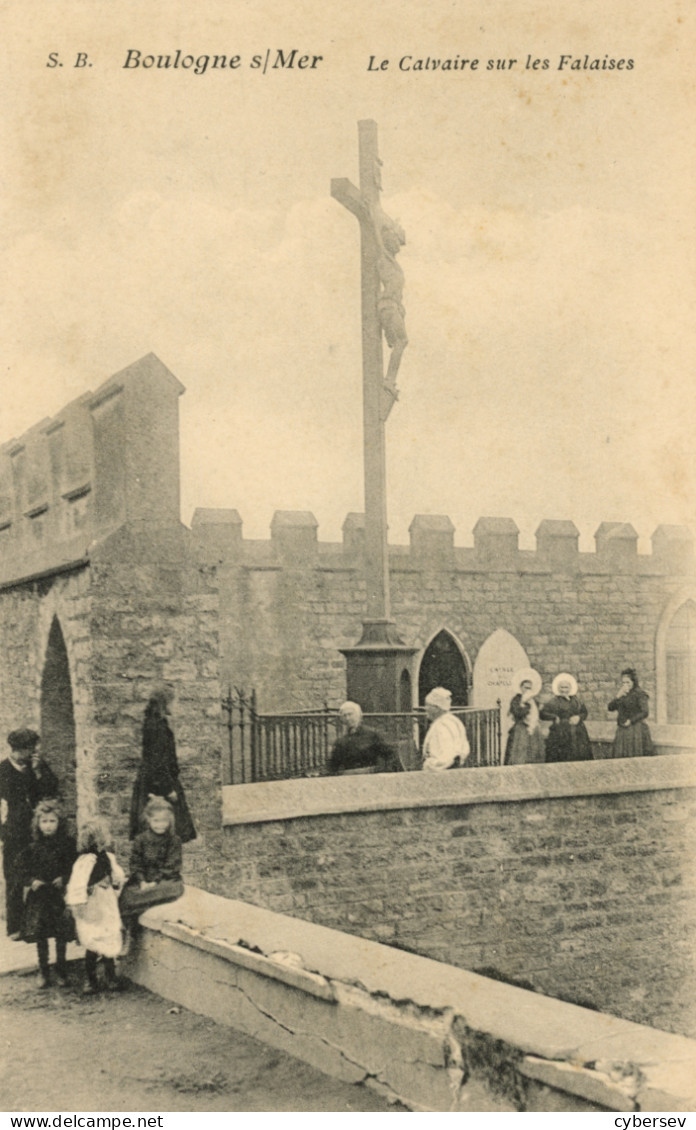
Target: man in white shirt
point(446, 745)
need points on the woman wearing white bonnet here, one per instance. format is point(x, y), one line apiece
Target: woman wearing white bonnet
point(446, 745)
point(525, 743)
point(568, 739)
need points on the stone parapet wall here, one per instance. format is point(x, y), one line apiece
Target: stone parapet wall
point(107, 458)
point(294, 537)
point(577, 879)
point(431, 1036)
point(288, 605)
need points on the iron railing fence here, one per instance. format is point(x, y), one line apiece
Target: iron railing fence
point(281, 745)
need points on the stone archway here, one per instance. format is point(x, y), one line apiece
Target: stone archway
point(58, 720)
point(443, 665)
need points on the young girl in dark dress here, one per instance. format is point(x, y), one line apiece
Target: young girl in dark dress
point(92, 896)
point(47, 864)
point(155, 862)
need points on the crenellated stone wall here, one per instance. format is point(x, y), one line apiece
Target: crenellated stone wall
point(288, 604)
point(104, 594)
point(98, 574)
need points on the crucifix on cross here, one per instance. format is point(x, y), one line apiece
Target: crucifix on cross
point(382, 283)
point(378, 667)
point(382, 277)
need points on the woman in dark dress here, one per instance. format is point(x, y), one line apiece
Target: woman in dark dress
point(631, 703)
point(158, 774)
point(525, 741)
point(568, 739)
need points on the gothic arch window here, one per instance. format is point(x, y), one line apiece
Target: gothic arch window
point(675, 660)
point(57, 718)
point(680, 665)
point(444, 665)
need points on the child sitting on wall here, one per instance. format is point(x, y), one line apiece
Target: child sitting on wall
point(155, 862)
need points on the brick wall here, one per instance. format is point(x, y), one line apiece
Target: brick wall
point(586, 897)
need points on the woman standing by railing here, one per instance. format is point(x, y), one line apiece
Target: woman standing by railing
point(525, 743)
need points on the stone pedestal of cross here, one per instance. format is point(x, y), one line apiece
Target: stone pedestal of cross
point(379, 666)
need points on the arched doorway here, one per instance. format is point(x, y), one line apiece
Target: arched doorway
point(680, 665)
point(443, 665)
point(58, 721)
point(405, 701)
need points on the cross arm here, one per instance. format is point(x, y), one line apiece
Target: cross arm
point(349, 196)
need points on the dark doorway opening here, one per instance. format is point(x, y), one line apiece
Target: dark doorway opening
point(58, 720)
point(405, 703)
point(443, 666)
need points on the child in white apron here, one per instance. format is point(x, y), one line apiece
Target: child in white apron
point(92, 896)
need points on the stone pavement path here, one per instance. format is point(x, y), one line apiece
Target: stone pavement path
point(19, 957)
point(133, 1051)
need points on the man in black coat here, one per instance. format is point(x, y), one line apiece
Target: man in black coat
point(22, 785)
point(360, 750)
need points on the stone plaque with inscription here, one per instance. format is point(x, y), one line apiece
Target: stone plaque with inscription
point(500, 656)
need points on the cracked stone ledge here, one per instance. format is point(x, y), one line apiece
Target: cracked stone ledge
point(658, 1077)
point(597, 1087)
point(298, 977)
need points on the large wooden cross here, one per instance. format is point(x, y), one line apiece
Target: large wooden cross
point(382, 314)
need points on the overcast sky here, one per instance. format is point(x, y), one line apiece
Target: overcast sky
point(549, 260)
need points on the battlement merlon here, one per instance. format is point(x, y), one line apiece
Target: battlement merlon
point(294, 539)
point(109, 458)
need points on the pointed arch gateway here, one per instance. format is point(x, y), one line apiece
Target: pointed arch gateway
point(444, 665)
point(58, 719)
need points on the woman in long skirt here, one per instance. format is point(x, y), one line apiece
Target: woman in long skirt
point(568, 738)
point(158, 774)
point(525, 742)
point(632, 706)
